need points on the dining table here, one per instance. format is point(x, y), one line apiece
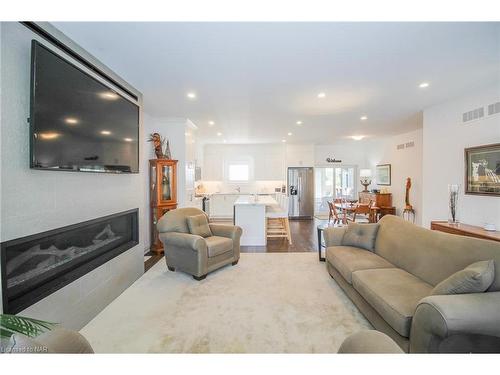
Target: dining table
point(346, 208)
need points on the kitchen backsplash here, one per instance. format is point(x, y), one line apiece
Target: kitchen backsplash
point(253, 187)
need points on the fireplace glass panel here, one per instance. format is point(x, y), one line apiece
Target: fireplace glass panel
point(34, 261)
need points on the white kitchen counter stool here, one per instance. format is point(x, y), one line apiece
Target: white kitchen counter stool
point(277, 224)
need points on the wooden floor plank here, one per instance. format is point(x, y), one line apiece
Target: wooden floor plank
point(304, 239)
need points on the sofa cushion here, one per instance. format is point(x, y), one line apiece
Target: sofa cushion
point(198, 225)
point(347, 259)
point(393, 293)
point(476, 278)
point(218, 245)
point(360, 235)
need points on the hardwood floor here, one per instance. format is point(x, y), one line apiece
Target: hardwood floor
point(304, 239)
point(150, 259)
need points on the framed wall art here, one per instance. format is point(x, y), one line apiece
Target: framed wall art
point(383, 174)
point(482, 170)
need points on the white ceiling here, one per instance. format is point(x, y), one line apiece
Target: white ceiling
point(255, 80)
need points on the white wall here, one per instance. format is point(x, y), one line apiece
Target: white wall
point(300, 155)
point(350, 152)
point(405, 163)
point(444, 139)
point(34, 201)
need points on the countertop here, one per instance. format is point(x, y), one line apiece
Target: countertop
point(263, 200)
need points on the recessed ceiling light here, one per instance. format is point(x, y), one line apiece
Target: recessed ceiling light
point(187, 134)
point(290, 133)
point(128, 139)
point(49, 135)
point(71, 120)
point(224, 141)
point(211, 123)
point(283, 140)
point(219, 134)
point(423, 85)
point(357, 137)
point(299, 122)
point(108, 95)
point(321, 95)
point(191, 95)
point(105, 132)
point(363, 118)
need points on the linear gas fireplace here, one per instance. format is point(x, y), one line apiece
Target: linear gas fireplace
point(35, 266)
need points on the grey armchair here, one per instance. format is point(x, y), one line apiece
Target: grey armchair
point(194, 254)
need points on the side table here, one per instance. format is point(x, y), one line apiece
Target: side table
point(320, 228)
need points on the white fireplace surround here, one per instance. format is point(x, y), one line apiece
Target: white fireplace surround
point(35, 201)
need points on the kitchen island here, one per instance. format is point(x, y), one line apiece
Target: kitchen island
point(250, 215)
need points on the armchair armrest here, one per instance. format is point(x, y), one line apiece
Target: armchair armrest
point(230, 231)
point(233, 232)
point(333, 236)
point(184, 240)
point(457, 323)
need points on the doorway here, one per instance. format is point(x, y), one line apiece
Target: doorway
point(331, 183)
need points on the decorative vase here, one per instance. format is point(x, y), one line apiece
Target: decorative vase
point(453, 191)
point(168, 155)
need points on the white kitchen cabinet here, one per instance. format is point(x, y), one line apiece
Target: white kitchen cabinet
point(213, 167)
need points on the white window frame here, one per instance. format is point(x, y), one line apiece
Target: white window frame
point(239, 161)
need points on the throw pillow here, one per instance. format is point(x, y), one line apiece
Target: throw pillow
point(476, 278)
point(360, 235)
point(198, 225)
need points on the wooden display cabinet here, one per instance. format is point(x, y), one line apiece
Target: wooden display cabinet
point(162, 193)
point(378, 199)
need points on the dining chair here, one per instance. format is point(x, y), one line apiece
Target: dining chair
point(362, 210)
point(333, 214)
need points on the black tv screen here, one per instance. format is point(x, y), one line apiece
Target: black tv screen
point(77, 123)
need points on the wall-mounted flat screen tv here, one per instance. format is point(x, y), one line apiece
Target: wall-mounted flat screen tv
point(78, 123)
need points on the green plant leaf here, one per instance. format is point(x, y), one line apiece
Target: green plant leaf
point(31, 327)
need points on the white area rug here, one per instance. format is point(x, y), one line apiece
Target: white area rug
point(268, 303)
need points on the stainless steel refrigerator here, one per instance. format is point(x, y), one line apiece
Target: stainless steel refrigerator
point(301, 192)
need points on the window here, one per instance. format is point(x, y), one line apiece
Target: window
point(238, 172)
point(331, 183)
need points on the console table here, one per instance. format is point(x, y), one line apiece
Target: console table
point(465, 230)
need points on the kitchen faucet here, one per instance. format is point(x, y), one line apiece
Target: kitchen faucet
point(238, 189)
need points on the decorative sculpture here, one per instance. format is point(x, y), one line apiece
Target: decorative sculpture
point(158, 142)
point(408, 212)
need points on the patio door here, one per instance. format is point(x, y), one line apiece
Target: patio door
point(331, 183)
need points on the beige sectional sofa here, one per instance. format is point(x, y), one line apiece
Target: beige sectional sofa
point(392, 285)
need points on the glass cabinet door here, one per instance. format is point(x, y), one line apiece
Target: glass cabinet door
point(166, 182)
point(152, 184)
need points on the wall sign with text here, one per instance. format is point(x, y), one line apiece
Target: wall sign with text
point(333, 160)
